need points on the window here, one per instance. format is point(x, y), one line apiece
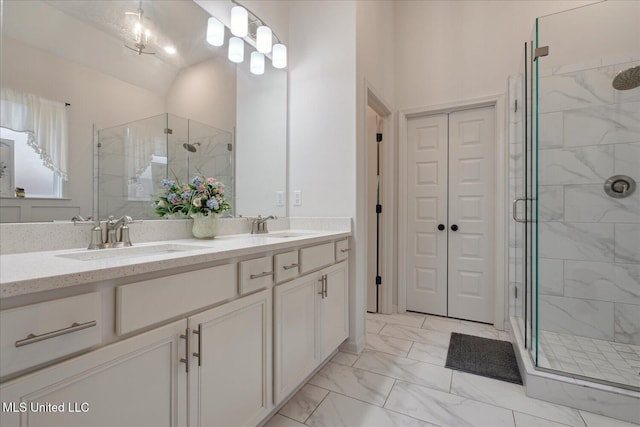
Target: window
point(24, 168)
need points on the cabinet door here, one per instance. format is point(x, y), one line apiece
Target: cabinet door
point(334, 309)
point(135, 382)
point(230, 382)
point(295, 337)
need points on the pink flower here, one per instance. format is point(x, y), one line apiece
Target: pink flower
point(211, 180)
point(186, 188)
point(201, 188)
point(220, 191)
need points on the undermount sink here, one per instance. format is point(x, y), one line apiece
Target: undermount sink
point(131, 252)
point(286, 234)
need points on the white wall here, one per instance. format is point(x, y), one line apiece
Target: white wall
point(322, 107)
point(191, 93)
point(454, 50)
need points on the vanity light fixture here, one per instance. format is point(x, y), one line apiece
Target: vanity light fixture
point(170, 50)
point(236, 50)
point(141, 33)
point(215, 32)
point(239, 21)
point(245, 24)
point(264, 39)
point(279, 56)
point(257, 63)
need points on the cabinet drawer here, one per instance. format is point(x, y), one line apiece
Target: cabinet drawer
point(255, 274)
point(151, 301)
point(42, 332)
point(286, 266)
point(316, 257)
point(342, 249)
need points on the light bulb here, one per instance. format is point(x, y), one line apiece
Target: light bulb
point(264, 39)
point(257, 63)
point(137, 30)
point(236, 50)
point(279, 56)
point(215, 32)
point(239, 21)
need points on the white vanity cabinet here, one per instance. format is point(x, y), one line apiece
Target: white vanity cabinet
point(334, 309)
point(135, 382)
point(220, 344)
point(295, 333)
point(311, 319)
point(230, 364)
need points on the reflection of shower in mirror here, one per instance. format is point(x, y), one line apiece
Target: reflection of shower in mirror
point(627, 79)
point(191, 147)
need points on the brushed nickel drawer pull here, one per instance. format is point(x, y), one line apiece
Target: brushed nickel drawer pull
point(32, 338)
point(185, 360)
point(345, 250)
point(324, 284)
point(321, 293)
point(289, 267)
point(198, 332)
point(263, 274)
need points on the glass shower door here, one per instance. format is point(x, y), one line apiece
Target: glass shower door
point(586, 233)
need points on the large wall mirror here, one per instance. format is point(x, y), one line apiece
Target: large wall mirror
point(137, 117)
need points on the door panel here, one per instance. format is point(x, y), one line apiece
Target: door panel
point(450, 181)
point(471, 183)
point(426, 208)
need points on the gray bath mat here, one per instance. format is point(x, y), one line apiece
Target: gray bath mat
point(483, 356)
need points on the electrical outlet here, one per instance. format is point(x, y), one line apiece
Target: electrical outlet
point(297, 198)
point(279, 198)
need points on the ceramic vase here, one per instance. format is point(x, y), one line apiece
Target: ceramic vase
point(204, 226)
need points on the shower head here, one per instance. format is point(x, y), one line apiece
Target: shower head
point(627, 79)
point(191, 147)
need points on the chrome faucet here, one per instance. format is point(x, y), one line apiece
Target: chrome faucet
point(113, 226)
point(259, 224)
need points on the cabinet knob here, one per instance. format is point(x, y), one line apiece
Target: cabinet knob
point(454, 227)
point(441, 227)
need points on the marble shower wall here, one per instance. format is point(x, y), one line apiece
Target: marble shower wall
point(589, 242)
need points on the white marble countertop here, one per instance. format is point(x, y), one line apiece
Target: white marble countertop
point(31, 272)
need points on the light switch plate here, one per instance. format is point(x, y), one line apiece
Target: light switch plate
point(297, 198)
point(279, 198)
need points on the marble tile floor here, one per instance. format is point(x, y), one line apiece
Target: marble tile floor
point(400, 380)
point(589, 357)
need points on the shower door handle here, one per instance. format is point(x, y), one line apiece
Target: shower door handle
point(515, 209)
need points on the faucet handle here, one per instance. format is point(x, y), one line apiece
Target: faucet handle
point(96, 237)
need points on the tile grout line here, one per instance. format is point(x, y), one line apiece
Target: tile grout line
point(317, 406)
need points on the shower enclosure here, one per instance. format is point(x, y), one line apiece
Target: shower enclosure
point(134, 158)
point(575, 158)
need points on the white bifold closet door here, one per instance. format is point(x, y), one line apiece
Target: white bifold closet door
point(450, 214)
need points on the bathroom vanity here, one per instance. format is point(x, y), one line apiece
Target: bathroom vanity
point(186, 332)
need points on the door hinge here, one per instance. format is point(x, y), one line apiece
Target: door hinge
point(515, 110)
point(378, 208)
point(540, 52)
point(168, 131)
point(229, 147)
point(516, 292)
point(378, 137)
point(378, 280)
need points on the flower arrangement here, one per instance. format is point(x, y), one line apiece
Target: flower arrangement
point(200, 196)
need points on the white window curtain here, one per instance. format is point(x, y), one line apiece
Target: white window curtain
point(45, 123)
